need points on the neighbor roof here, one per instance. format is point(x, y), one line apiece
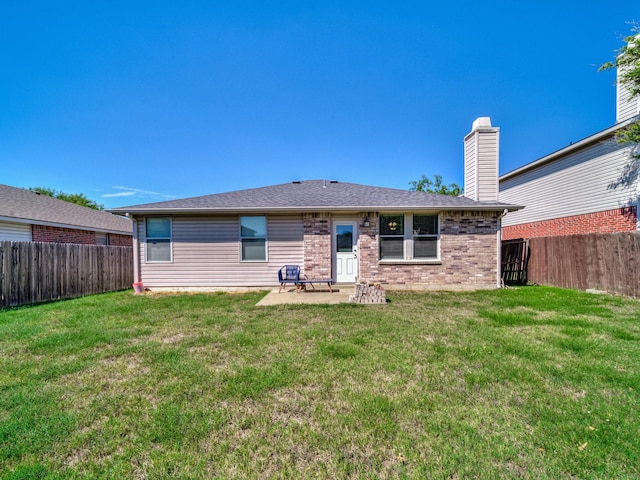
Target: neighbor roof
point(24, 206)
point(598, 137)
point(314, 195)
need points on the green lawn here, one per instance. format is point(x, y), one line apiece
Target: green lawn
point(532, 382)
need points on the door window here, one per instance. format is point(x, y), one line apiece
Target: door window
point(344, 238)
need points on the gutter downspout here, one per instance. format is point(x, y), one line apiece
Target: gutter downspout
point(499, 282)
point(136, 251)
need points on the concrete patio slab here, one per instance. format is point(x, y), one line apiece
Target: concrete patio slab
point(310, 296)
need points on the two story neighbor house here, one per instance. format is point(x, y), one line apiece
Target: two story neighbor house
point(590, 186)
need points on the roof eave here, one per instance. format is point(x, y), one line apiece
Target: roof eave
point(71, 226)
point(345, 209)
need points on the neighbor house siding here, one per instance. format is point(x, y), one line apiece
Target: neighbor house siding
point(17, 232)
point(585, 181)
point(627, 106)
point(206, 253)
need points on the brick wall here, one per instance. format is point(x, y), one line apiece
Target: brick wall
point(43, 233)
point(607, 221)
point(468, 252)
point(120, 240)
point(468, 255)
point(317, 245)
point(368, 246)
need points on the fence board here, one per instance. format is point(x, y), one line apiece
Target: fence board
point(32, 272)
point(599, 261)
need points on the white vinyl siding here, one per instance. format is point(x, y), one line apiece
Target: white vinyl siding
point(488, 166)
point(627, 106)
point(470, 168)
point(206, 253)
point(16, 232)
point(481, 150)
point(582, 182)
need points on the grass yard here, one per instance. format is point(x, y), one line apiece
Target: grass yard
point(532, 382)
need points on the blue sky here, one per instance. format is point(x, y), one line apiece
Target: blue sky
point(140, 101)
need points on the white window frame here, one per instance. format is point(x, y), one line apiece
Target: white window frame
point(408, 239)
point(169, 238)
point(415, 235)
point(265, 237)
point(392, 236)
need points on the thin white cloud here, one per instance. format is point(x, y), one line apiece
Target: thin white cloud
point(119, 194)
point(134, 192)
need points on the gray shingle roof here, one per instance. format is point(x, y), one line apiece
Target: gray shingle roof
point(314, 195)
point(24, 205)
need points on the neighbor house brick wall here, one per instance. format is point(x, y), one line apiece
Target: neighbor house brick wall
point(120, 240)
point(468, 255)
point(317, 245)
point(607, 221)
point(43, 233)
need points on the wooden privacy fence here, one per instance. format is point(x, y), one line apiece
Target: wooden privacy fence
point(599, 261)
point(33, 272)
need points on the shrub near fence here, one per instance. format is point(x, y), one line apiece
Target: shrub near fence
point(600, 261)
point(33, 272)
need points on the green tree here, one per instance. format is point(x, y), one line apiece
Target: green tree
point(77, 198)
point(627, 61)
point(435, 186)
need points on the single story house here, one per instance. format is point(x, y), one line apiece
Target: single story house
point(590, 186)
point(27, 216)
point(333, 230)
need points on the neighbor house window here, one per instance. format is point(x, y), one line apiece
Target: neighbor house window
point(253, 238)
point(409, 237)
point(158, 239)
point(102, 238)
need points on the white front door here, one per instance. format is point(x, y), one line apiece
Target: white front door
point(344, 252)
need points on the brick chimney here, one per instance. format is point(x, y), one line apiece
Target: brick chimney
point(481, 161)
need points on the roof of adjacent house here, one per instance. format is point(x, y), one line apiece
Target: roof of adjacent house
point(24, 206)
point(597, 137)
point(314, 195)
